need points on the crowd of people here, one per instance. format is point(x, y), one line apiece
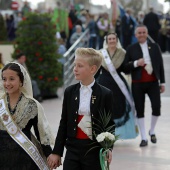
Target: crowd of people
point(12, 20)
point(158, 25)
point(101, 88)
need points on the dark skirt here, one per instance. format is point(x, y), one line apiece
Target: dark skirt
point(120, 104)
point(12, 156)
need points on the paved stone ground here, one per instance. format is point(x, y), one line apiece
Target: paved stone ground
point(127, 155)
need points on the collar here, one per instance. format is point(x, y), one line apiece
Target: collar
point(89, 86)
point(144, 44)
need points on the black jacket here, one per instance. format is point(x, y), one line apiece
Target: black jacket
point(134, 52)
point(68, 124)
point(151, 21)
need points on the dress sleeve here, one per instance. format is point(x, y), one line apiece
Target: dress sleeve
point(46, 148)
point(34, 123)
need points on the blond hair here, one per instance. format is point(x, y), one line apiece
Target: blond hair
point(93, 56)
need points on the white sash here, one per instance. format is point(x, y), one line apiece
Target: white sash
point(117, 79)
point(19, 137)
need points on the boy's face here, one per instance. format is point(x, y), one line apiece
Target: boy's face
point(83, 71)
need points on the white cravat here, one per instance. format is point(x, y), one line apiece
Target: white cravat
point(85, 98)
point(147, 58)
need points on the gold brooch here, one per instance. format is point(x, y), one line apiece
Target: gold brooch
point(93, 98)
point(76, 98)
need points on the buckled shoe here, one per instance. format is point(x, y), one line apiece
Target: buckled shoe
point(143, 143)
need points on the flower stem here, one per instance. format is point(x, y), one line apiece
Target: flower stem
point(108, 166)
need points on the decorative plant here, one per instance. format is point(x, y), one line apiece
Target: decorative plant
point(36, 39)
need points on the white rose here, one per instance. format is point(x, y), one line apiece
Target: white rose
point(111, 137)
point(100, 137)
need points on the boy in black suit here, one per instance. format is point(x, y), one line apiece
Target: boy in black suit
point(82, 105)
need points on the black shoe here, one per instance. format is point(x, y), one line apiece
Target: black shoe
point(143, 143)
point(153, 138)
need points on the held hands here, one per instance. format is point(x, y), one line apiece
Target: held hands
point(54, 161)
point(141, 62)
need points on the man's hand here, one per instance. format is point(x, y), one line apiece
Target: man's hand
point(141, 62)
point(54, 161)
point(162, 88)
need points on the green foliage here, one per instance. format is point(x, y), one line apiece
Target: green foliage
point(3, 30)
point(36, 39)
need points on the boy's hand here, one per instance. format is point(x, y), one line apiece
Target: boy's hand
point(109, 156)
point(54, 161)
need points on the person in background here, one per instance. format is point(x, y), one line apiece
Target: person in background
point(151, 20)
point(93, 32)
point(25, 9)
point(104, 26)
point(123, 104)
point(89, 100)
point(128, 26)
point(22, 112)
point(17, 20)
point(140, 17)
point(61, 46)
point(21, 59)
point(76, 35)
point(145, 63)
point(11, 28)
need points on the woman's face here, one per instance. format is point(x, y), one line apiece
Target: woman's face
point(11, 81)
point(111, 40)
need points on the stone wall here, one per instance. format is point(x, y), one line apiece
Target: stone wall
point(6, 51)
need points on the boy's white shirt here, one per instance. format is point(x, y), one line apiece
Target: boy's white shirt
point(84, 109)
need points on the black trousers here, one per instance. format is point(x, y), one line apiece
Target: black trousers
point(77, 155)
point(152, 89)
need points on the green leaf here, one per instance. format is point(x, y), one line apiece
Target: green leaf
point(91, 149)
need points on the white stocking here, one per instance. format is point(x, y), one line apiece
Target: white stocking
point(141, 124)
point(154, 120)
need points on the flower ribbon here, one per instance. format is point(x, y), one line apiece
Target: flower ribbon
point(103, 155)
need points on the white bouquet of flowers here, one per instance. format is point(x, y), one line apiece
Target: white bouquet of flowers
point(106, 139)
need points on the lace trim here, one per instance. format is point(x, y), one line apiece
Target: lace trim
point(26, 110)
